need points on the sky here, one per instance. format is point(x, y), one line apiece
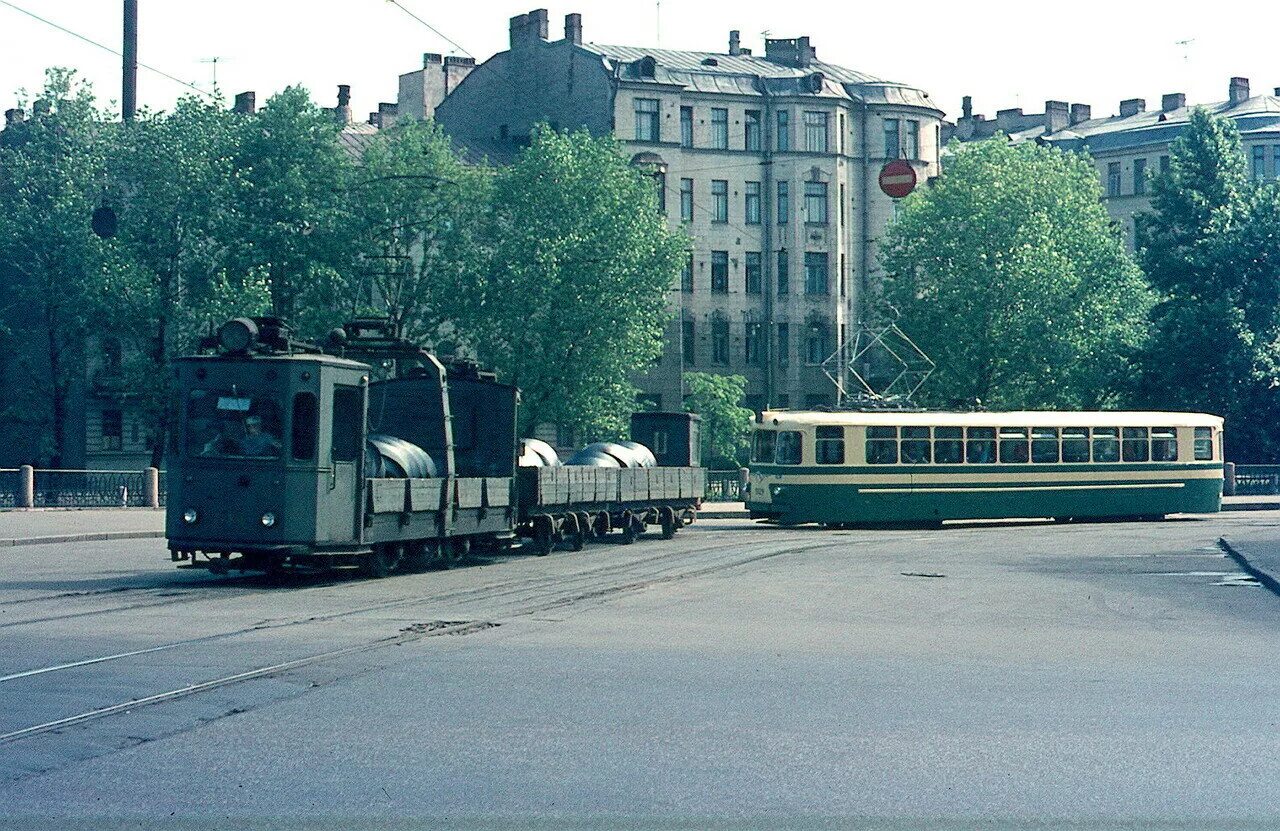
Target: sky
point(1004, 54)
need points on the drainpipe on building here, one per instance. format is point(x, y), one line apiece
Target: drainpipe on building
point(864, 247)
point(766, 225)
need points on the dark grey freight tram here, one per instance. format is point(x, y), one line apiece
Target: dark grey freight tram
point(287, 456)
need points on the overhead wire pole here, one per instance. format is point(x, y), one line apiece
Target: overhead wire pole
point(129, 92)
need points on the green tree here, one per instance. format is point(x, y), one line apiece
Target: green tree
point(167, 279)
point(292, 179)
point(1008, 274)
point(425, 230)
point(575, 299)
point(1211, 248)
point(52, 169)
point(726, 424)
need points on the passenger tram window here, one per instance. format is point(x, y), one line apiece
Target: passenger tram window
point(1075, 445)
point(763, 446)
point(347, 422)
point(828, 447)
point(305, 426)
point(882, 445)
point(915, 446)
point(1013, 445)
point(948, 445)
point(1204, 444)
point(1164, 444)
point(1044, 445)
point(1134, 444)
point(1106, 444)
point(980, 446)
point(790, 447)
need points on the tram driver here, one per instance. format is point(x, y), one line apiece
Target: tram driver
point(247, 438)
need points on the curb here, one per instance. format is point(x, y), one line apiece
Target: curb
point(1268, 582)
point(93, 537)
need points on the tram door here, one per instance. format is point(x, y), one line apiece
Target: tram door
point(339, 519)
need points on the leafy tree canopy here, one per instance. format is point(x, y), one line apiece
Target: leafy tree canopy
point(726, 424)
point(1008, 273)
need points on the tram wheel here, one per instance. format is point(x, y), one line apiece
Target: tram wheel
point(381, 561)
point(544, 537)
point(630, 528)
point(456, 551)
point(669, 526)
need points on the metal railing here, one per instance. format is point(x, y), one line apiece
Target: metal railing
point(723, 486)
point(27, 487)
point(1256, 480)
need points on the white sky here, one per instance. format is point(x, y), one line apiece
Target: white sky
point(1005, 54)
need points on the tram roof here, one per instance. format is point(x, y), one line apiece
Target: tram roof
point(1022, 418)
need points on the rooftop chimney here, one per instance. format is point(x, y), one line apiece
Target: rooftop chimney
point(573, 28)
point(246, 103)
point(1057, 115)
point(966, 107)
point(735, 42)
point(1081, 112)
point(1238, 90)
point(430, 59)
point(805, 54)
point(539, 24)
point(343, 111)
point(517, 28)
point(1132, 106)
point(1172, 101)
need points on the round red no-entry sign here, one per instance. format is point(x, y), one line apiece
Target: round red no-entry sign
point(897, 178)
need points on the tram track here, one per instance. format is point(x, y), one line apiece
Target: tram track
point(599, 584)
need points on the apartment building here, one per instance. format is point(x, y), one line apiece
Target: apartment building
point(769, 161)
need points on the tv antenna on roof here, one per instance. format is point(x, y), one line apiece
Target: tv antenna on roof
point(214, 60)
point(1186, 48)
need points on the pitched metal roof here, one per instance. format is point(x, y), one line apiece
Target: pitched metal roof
point(1259, 114)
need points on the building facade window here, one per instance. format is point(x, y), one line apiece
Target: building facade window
point(751, 345)
point(112, 430)
point(911, 139)
point(686, 276)
point(1113, 178)
point(686, 126)
point(719, 128)
point(719, 200)
point(660, 186)
point(841, 205)
point(1139, 176)
point(815, 132)
point(784, 273)
point(646, 119)
point(751, 130)
point(815, 203)
point(1164, 165)
point(686, 200)
point(843, 280)
point(816, 273)
point(752, 203)
point(784, 202)
point(892, 139)
point(688, 343)
point(784, 130)
point(720, 342)
point(817, 344)
point(754, 272)
point(841, 130)
point(1259, 162)
point(1275, 160)
point(784, 344)
point(719, 272)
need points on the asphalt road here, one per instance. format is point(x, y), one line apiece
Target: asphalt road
point(1116, 675)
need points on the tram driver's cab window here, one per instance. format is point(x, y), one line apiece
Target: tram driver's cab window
point(1204, 444)
point(882, 445)
point(828, 447)
point(762, 446)
point(789, 448)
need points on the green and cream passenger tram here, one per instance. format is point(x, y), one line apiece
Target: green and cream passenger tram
point(923, 467)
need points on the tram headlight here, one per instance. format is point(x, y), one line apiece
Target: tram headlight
point(189, 516)
point(268, 519)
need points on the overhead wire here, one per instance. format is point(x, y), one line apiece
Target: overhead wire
point(102, 46)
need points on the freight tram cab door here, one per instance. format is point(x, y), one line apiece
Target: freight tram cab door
point(339, 517)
